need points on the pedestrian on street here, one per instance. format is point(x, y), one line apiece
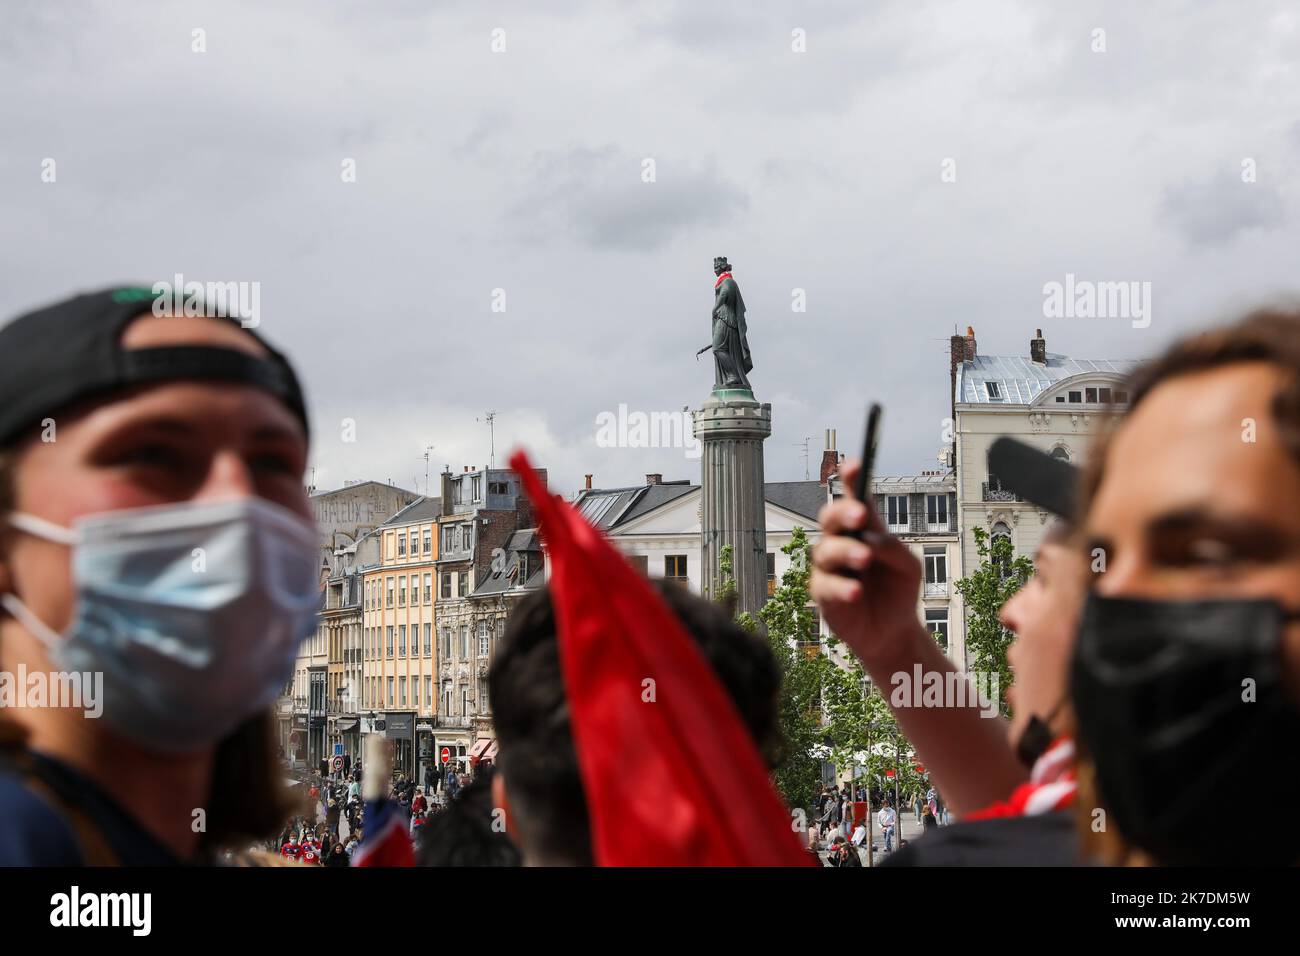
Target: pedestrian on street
point(887, 819)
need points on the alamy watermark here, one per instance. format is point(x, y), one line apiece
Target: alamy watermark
point(62, 689)
point(624, 429)
point(921, 688)
point(237, 300)
point(1085, 299)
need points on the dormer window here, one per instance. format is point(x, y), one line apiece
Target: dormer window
point(994, 393)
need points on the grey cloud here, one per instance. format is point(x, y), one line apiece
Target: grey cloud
point(597, 196)
point(1216, 209)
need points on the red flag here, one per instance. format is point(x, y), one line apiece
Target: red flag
point(672, 776)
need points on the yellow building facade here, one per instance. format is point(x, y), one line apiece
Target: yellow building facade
point(399, 676)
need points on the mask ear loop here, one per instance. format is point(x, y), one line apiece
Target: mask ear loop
point(49, 531)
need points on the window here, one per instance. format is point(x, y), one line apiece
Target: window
point(464, 642)
point(1121, 397)
point(428, 589)
point(391, 585)
point(1060, 453)
point(428, 689)
point(641, 562)
point(401, 594)
point(415, 543)
point(445, 585)
point(936, 565)
point(444, 642)
point(446, 697)
point(415, 691)
point(498, 487)
point(464, 700)
point(401, 545)
point(401, 639)
point(462, 583)
point(448, 538)
point(428, 640)
point(936, 512)
point(428, 540)
point(1090, 395)
point(771, 573)
point(896, 512)
point(483, 696)
point(1060, 398)
point(675, 567)
point(1076, 398)
point(477, 484)
point(484, 640)
point(390, 692)
point(993, 392)
point(401, 684)
point(936, 622)
point(390, 641)
point(1000, 530)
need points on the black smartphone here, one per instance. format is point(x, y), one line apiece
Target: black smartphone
point(862, 488)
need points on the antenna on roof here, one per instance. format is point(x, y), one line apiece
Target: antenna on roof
point(804, 445)
point(490, 417)
point(427, 449)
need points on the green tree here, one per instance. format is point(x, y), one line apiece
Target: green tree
point(1000, 574)
point(805, 673)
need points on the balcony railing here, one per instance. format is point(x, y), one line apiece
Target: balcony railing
point(998, 494)
point(936, 589)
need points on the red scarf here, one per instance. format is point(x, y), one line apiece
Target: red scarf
point(725, 275)
point(1051, 786)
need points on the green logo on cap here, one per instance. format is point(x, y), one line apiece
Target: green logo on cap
point(133, 293)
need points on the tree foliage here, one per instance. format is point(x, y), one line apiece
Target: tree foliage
point(1000, 574)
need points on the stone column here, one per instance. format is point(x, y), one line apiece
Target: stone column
point(732, 426)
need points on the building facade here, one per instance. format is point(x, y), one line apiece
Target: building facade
point(1046, 400)
point(398, 667)
point(481, 511)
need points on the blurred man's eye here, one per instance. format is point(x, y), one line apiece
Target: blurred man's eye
point(153, 455)
point(276, 464)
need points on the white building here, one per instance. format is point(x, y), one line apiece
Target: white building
point(1044, 399)
point(921, 510)
point(658, 524)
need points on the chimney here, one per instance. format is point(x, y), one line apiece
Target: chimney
point(1038, 348)
point(446, 490)
point(655, 479)
point(588, 477)
point(970, 344)
point(830, 458)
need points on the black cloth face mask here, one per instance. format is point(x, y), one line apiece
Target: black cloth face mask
point(1036, 738)
point(1163, 697)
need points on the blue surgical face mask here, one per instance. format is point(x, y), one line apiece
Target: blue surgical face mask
point(192, 612)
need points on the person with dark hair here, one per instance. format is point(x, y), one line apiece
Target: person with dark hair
point(537, 781)
point(468, 832)
point(160, 556)
point(1186, 670)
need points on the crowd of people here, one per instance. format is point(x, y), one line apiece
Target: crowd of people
point(1156, 649)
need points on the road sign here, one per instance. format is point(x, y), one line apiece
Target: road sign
point(338, 750)
point(336, 764)
point(445, 755)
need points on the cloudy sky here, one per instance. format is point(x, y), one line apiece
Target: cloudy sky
point(521, 169)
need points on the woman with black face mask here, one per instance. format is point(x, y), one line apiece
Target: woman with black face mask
point(1186, 674)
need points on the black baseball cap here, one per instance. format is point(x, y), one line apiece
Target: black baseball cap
point(1037, 477)
point(71, 351)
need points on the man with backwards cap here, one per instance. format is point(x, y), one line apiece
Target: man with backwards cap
point(957, 744)
point(158, 554)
